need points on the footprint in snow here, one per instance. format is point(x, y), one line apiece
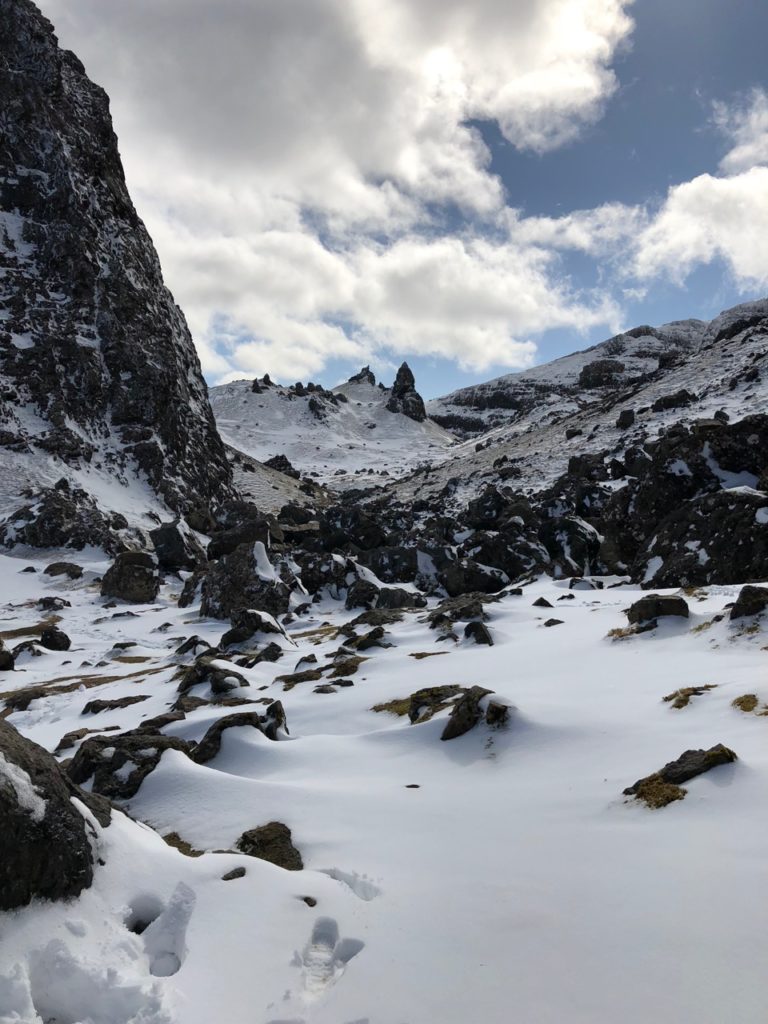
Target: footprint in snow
point(325, 957)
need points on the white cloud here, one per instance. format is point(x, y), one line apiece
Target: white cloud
point(297, 164)
point(744, 123)
point(709, 218)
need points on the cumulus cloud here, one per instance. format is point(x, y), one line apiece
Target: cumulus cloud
point(311, 177)
point(745, 124)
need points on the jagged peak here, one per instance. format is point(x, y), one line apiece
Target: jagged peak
point(365, 376)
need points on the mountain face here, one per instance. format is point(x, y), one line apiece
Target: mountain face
point(356, 434)
point(100, 385)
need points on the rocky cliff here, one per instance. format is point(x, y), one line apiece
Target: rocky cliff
point(99, 378)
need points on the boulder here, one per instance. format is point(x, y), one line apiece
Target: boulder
point(272, 842)
point(466, 713)
point(467, 576)
point(133, 576)
point(269, 724)
point(45, 842)
point(663, 787)
point(55, 639)
point(117, 765)
point(478, 632)
point(751, 601)
point(404, 397)
point(626, 419)
point(6, 659)
point(69, 569)
point(655, 606)
point(95, 707)
point(176, 547)
point(243, 580)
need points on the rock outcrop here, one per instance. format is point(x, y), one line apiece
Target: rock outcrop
point(93, 349)
point(405, 398)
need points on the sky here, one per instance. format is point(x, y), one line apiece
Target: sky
point(474, 186)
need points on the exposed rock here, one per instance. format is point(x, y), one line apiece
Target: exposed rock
point(176, 547)
point(241, 581)
point(457, 609)
point(626, 419)
point(553, 622)
point(6, 659)
point(117, 765)
point(70, 569)
point(269, 724)
point(220, 677)
point(466, 713)
point(233, 874)
point(282, 464)
point(662, 787)
point(107, 360)
point(55, 639)
point(272, 842)
point(133, 576)
point(52, 604)
point(405, 398)
point(478, 632)
point(95, 707)
point(45, 848)
point(467, 576)
point(248, 623)
point(655, 606)
point(64, 517)
point(365, 376)
point(751, 601)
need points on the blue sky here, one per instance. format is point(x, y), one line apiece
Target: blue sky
point(472, 187)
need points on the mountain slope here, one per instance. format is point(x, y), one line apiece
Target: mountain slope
point(346, 437)
point(99, 380)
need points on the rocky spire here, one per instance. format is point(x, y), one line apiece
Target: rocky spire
point(97, 365)
point(364, 377)
point(405, 398)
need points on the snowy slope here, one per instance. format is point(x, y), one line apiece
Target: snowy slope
point(353, 442)
point(515, 883)
point(726, 372)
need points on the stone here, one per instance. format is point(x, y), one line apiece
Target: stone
point(69, 569)
point(117, 765)
point(272, 842)
point(269, 724)
point(45, 842)
point(237, 583)
point(466, 713)
point(7, 660)
point(655, 606)
point(233, 874)
point(176, 547)
point(95, 707)
point(751, 601)
point(55, 639)
point(404, 397)
point(478, 632)
point(626, 419)
point(690, 764)
point(133, 576)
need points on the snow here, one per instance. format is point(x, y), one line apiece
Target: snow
point(515, 883)
point(19, 781)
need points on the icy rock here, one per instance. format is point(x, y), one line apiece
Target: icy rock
point(655, 606)
point(751, 601)
point(55, 639)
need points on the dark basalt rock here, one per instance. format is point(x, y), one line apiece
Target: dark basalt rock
point(283, 465)
point(133, 576)
point(221, 680)
point(626, 419)
point(248, 623)
point(69, 569)
point(467, 576)
point(478, 632)
point(268, 724)
point(365, 376)
point(686, 767)
point(751, 601)
point(119, 764)
point(405, 398)
point(95, 707)
point(655, 606)
point(234, 585)
point(55, 639)
point(272, 842)
point(176, 548)
point(110, 365)
point(65, 518)
point(45, 848)
point(457, 609)
point(466, 713)
point(6, 659)
point(675, 401)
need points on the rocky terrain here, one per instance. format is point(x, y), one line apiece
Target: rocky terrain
point(361, 710)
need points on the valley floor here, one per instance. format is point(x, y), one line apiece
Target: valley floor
point(516, 883)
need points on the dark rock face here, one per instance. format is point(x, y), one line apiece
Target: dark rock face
point(405, 398)
point(68, 569)
point(95, 707)
point(45, 850)
point(64, 517)
point(364, 377)
point(663, 787)
point(6, 659)
point(89, 336)
point(272, 842)
point(655, 606)
point(751, 601)
point(283, 465)
point(133, 576)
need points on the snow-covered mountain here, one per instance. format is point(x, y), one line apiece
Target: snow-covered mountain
point(348, 436)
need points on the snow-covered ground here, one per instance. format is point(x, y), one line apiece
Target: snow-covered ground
point(355, 443)
point(516, 883)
